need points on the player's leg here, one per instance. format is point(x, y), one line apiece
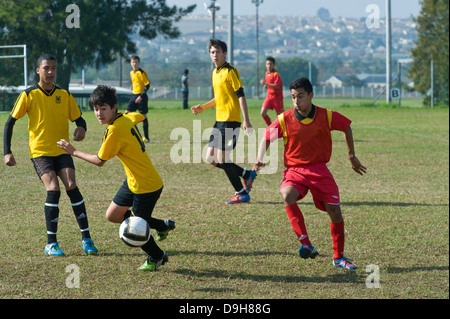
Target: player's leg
point(264, 109)
point(45, 169)
point(143, 109)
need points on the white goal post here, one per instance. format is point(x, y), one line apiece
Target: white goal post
point(23, 56)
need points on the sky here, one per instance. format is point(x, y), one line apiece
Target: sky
point(337, 8)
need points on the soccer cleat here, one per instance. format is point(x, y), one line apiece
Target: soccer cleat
point(163, 234)
point(151, 264)
point(53, 250)
point(248, 183)
point(239, 198)
point(344, 263)
point(88, 246)
point(145, 140)
point(307, 251)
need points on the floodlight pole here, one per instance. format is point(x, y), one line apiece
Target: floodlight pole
point(257, 3)
point(388, 52)
point(230, 33)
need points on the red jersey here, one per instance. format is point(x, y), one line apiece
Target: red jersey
point(307, 141)
point(275, 79)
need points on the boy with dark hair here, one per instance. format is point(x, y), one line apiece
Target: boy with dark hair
point(139, 99)
point(274, 99)
point(229, 100)
point(143, 186)
point(49, 108)
point(306, 131)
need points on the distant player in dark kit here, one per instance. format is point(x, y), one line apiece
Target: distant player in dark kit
point(185, 88)
point(143, 186)
point(274, 99)
point(306, 132)
point(139, 99)
point(49, 109)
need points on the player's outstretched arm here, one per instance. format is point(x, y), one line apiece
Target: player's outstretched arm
point(93, 159)
point(196, 109)
point(263, 147)
point(356, 164)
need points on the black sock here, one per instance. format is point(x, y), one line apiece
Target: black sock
point(79, 209)
point(152, 249)
point(145, 124)
point(51, 215)
point(233, 172)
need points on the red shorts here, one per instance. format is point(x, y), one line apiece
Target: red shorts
point(315, 177)
point(273, 104)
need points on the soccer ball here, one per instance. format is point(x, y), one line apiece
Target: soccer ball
point(134, 231)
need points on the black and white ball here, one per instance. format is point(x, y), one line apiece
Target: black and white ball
point(134, 231)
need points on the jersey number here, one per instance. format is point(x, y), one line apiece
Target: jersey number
point(136, 134)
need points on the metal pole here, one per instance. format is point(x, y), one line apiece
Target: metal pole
point(230, 33)
point(400, 83)
point(432, 84)
point(388, 52)
point(25, 67)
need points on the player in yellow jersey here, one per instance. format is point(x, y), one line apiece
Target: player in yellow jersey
point(49, 108)
point(143, 186)
point(139, 99)
point(229, 100)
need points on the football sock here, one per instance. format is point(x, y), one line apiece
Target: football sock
point(51, 215)
point(298, 223)
point(337, 234)
point(145, 124)
point(233, 172)
point(79, 209)
point(267, 119)
point(152, 249)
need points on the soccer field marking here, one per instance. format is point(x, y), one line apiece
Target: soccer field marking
point(440, 139)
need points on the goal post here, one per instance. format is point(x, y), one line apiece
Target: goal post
point(18, 56)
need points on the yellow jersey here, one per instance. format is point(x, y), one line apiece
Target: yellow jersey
point(227, 90)
point(122, 139)
point(139, 80)
point(48, 115)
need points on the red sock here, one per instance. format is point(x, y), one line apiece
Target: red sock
point(337, 234)
point(298, 223)
point(267, 120)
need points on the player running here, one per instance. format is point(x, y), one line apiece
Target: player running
point(274, 99)
point(306, 132)
point(229, 99)
point(143, 186)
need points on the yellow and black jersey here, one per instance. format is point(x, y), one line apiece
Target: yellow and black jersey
point(122, 139)
point(227, 90)
point(48, 115)
point(139, 80)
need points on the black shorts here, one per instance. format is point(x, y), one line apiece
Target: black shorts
point(142, 204)
point(142, 107)
point(45, 164)
point(224, 135)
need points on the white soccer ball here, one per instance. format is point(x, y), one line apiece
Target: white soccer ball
point(134, 231)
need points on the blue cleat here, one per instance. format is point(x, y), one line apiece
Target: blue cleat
point(344, 263)
point(239, 198)
point(307, 251)
point(53, 250)
point(248, 183)
point(88, 246)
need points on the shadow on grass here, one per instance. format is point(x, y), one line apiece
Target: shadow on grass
point(399, 204)
point(341, 277)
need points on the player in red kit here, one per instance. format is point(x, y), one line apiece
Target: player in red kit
point(274, 99)
point(306, 132)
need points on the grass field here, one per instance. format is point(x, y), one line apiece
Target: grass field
point(397, 219)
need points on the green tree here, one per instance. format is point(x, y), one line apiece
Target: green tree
point(105, 29)
point(432, 45)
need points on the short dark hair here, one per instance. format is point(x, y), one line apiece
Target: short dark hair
point(186, 71)
point(103, 95)
point(44, 57)
point(304, 83)
point(271, 59)
point(135, 57)
point(217, 44)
